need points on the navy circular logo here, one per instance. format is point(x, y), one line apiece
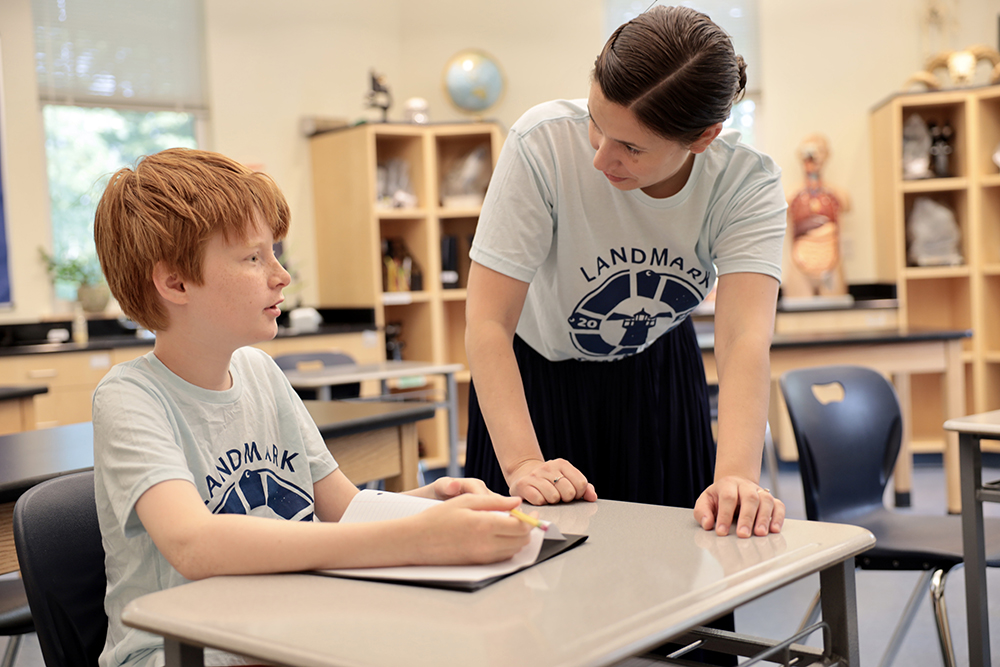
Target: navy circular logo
point(630, 310)
point(263, 488)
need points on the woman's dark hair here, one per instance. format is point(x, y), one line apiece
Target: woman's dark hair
point(674, 69)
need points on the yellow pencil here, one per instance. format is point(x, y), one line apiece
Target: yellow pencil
point(528, 519)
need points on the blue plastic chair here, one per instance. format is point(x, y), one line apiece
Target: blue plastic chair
point(58, 541)
point(847, 447)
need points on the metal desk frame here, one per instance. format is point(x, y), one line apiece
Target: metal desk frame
point(971, 430)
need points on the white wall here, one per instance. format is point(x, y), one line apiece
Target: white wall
point(272, 63)
point(546, 56)
point(25, 182)
point(824, 64)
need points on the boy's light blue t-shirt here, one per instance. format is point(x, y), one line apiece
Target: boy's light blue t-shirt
point(252, 449)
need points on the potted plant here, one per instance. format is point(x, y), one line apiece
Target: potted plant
point(84, 273)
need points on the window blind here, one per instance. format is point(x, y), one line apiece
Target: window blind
point(121, 53)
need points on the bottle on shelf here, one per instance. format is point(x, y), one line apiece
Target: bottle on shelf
point(449, 261)
point(81, 333)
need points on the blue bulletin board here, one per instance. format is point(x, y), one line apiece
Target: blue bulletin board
point(4, 268)
point(4, 264)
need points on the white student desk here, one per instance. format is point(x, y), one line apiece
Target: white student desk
point(971, 430)
point(647, 574)
point(321, 379)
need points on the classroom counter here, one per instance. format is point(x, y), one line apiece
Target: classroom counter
point(115, 341)
point(706, 337)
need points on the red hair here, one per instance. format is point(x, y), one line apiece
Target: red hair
point(165, 210)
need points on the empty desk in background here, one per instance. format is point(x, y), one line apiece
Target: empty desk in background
point(896, 355)
point(373, 440)
point(971, 430)
point(646, 575)
point(322, 378)
point(31, 457)
point(17, 407)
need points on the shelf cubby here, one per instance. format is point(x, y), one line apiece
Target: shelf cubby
point(989, 232)
point(463, 229)
point(991, 316)
point(954, 200)
point(352, 223)
point(963, 296)
point(989, 135)
point(454, 342)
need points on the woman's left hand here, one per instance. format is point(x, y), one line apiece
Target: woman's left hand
point(754, 509)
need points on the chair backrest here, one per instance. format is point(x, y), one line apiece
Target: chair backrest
point(847, 443)
point(305, 361)
point(58, 541)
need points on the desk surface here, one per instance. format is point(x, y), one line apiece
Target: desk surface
point(645, 575)
point(9, 392)
point(383, 370)
point(985, 423)
point(339, 418)
point(31, 457)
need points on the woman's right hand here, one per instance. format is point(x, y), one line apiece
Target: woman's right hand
point(470, 529)
point(550, 482)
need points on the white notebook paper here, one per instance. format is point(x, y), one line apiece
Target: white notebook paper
point(370, 505)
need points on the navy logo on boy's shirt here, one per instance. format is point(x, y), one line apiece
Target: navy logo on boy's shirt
point(257, 488)
point(241, 492)
point(618, 317)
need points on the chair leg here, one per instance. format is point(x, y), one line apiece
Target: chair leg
point(908, 613)
point(812, 614)
point(13, 646)
point(941, 616)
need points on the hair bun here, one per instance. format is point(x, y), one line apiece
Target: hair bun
point(741, 65)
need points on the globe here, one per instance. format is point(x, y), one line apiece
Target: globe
point(473, 81)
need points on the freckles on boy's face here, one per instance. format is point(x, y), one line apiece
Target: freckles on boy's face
point(239, 298)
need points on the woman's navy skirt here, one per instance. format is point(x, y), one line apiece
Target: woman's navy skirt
point(638, 427)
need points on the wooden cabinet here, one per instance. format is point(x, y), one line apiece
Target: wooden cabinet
point(960, 296)
point(351, 227)
point(70, 376)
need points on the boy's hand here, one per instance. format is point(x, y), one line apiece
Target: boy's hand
point(449, 487)
point(470, 529)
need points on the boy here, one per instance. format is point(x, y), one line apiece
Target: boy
point(200, 442)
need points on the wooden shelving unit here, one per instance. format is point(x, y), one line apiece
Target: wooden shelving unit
point(350, 227)
point(945, 297)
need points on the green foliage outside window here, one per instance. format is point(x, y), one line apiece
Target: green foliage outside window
point(84, 146)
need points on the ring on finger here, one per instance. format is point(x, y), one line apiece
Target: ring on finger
point(761, 488)
point(557, 479)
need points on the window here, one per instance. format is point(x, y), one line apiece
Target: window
point(736, 17)
point(83, 147)
point(743, 118)
point(118, 79)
